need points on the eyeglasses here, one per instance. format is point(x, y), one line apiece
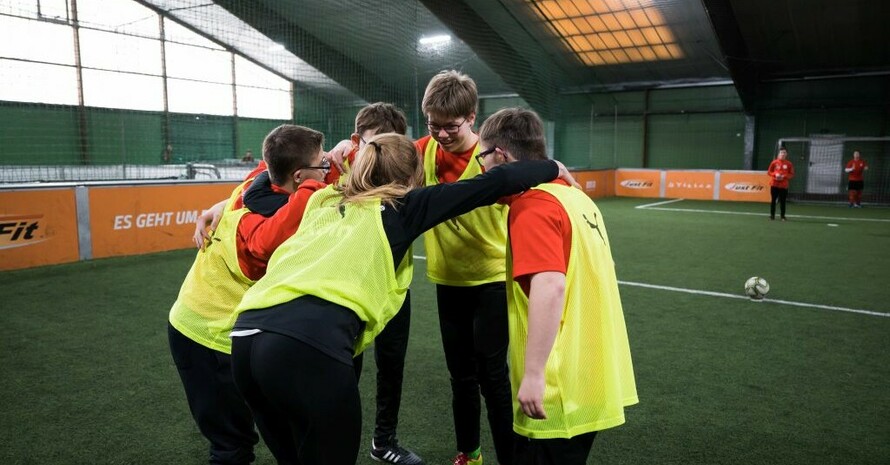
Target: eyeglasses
point(325, 166)
point(480, 157)
point(450, 129)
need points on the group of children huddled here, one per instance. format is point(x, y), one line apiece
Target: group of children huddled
point(311, 262)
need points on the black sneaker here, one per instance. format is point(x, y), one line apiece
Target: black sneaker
point(394, 453)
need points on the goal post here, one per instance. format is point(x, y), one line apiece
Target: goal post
point(819, 162)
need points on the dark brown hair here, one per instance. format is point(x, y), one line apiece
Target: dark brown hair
point(288, 148)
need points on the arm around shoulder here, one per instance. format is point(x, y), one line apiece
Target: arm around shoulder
point(282, 224)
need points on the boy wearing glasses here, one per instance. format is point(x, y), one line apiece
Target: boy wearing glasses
point(466, 260)
point(231, 259)
point(570, 363)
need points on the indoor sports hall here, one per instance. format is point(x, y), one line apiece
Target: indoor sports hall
point(121, 121)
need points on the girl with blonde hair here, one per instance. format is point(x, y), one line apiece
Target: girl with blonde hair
point(331, 288)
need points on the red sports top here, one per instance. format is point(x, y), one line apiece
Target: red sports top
point(540, 234)
point(858, 167)
point(780, 167)
point(449, 166)
point(258, 236)
point(334, 174)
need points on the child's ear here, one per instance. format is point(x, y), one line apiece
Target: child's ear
point(355, 139)
point(296, 177)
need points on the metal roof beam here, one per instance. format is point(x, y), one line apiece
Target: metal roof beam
point(743, 70)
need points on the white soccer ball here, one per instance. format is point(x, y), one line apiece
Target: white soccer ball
point(756, 287)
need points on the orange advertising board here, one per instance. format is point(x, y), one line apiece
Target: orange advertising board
point(689, 184)
point(596, 184)
point(638, 183)
point(744, 186)
point(37, 227)
point(130, 220)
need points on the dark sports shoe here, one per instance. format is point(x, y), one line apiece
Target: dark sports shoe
point(394, 453)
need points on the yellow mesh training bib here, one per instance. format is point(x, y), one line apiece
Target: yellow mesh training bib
point(589, 375)
point(214, 285)
point(339, 254)
point(470, 249)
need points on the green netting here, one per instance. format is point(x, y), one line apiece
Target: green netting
point(139, 89)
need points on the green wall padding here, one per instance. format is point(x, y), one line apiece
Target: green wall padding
point(38, 135)
point(697, 141)
point(709, 98)
point(124, 137)
point(251, 133)
point(201, 137)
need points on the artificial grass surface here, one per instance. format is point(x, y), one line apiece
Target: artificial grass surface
point(88, 378)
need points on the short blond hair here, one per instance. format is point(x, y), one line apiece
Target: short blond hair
point(451, 94)
point(387, 168)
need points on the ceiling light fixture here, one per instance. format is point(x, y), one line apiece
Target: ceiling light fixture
point(433, 41)
point(608, 32)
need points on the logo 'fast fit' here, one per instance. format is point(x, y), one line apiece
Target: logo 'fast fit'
point(637, 184)
point(744, 187)
point(20, 230)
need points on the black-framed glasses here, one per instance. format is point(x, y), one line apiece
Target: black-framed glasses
point(450, 129)
point(325, 165)
point(480, 157)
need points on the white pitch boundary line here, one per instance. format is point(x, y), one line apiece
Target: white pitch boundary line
point(694, 210)
point(650, 205)
point(773, 301)
point(734, 296)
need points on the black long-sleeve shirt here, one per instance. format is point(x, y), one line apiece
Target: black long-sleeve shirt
point(416, 212)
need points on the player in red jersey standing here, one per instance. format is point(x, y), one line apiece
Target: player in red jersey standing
point(855, 169)
point(780, 172)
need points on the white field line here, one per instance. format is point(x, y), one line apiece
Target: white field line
point(650, 205)
point(771, 301)
point(693, 210)
point(734, 296)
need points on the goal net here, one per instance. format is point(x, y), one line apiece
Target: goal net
point(819, 162)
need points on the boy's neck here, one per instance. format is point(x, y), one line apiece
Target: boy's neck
point(469, 143)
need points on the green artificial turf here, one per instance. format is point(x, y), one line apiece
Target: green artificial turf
point(87, 376)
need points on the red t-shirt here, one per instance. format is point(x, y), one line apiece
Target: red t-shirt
point(334, 174)
point(257, 236)
point(540, 234)
point(858, 167)
point(783, 168)
point(449, 166)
